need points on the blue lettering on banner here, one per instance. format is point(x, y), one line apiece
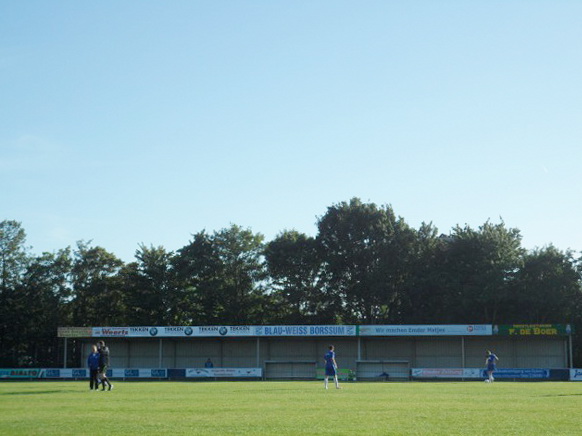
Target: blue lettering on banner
point(159, 373)
point(132, 373)
point(519, 373)
point(327, 330)
point(301, 330)
point(52, 373)
point(79, 373)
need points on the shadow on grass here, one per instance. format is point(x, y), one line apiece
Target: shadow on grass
point(55, 391)
point(562, 395)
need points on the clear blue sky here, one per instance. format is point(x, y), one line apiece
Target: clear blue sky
point(127, 122)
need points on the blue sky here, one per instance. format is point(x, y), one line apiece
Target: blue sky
point(145, 122)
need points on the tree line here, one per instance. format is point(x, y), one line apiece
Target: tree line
point(364, 266)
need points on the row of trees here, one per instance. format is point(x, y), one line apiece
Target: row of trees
point(365, 265)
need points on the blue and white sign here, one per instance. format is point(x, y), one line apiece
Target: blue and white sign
point(527, 373)
point(139, 373)
point(306, 330)
point(65, 373)
point(224, 372)
point(224, 330)
point(427, 330)
point(448, 373)
point(21, 373)
point(576, 374)
point(44, 373)
point(172, 332)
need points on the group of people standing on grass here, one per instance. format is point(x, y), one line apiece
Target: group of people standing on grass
point(98, 362)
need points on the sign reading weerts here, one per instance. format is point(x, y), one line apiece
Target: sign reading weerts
point(534, 329)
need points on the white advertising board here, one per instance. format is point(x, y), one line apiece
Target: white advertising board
point(172, 332)
point(138, 373)
point(306, 330)
point(576, 374)
point(224, 372)
point(446, 373)
point(427, 330)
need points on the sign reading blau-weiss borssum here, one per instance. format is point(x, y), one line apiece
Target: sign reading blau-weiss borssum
point(306, 330)
point(534, 329)
point(426, 330)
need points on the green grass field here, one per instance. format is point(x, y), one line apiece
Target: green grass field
point(291, 408)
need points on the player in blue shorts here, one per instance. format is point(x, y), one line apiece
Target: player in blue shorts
point(490, 363)
point(330, 367)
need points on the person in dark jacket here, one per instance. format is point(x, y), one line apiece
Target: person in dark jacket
point(93, 364)
point(103, 364)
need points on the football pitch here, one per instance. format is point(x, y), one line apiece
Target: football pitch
point(291, 408)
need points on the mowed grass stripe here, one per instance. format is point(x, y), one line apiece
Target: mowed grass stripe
point(290, 408)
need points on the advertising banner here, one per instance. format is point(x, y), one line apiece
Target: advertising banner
point(526, 373)
point(139, 373)
point(226, 331)
point(74, 332)
point(48, 373)
point(223, 330)
point(426, 330)
point(534, 330)
point(21, 373)
point(65, 373)
point(224, 372)
point(306, 330)
point(576, 374)
point(110, 332)
point(311, 330)
point(459, 373)
point(167, 332)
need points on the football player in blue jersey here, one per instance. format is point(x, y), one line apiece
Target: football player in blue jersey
point(490, 361)
point(330, 367)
